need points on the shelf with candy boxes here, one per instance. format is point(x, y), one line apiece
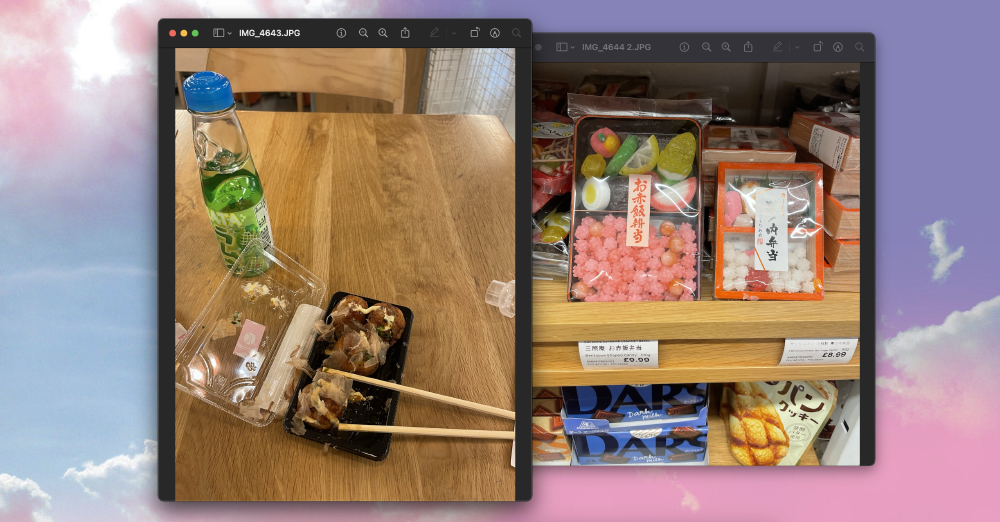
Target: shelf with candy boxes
point(841, 182)
point(653, 424)
point(842, 216)
point(840, 281)
point(549, 444)
point(740, 145)
point(776, 267)
point(636, 220)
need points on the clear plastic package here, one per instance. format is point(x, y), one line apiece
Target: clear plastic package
point(741, 144)
point(769, 262)
point(641, 242)
point(234, 354)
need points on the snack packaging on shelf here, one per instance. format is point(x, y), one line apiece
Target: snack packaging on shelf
point(636, 210)
point(843, 254)
point(658, 446)
point(833, 137)
point(549, 444)
point(720, 104)
point(842, 216)
point(548, 97)
point(546, 407)
point(550, 226)
point(782, 258)
point(774, 423)
point(621, 408)
point(546, 392)
point(615, 85)
point(743, 145)
point(844, 182)
point(843, 281)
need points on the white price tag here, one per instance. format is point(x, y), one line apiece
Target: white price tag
point(771, 230)
point(828, 145)
point(743, 134)
point(818, 351)
point(602, 355)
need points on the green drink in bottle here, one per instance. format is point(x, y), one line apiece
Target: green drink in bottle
point(229, 181)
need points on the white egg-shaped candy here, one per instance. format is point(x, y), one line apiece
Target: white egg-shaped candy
point(803, 264)
point(596, 194)
point(800, 251)
point(727, 285)
point(729, 255)
point(729, 272)
point(741, 286)
point(742, 259)
point(791, 287)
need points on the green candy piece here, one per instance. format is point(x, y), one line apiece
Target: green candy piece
point(621, 157)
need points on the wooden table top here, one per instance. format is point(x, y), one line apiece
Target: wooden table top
point(434, 197)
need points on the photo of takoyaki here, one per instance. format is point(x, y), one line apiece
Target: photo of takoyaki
point(388, 321)
point(322, 402)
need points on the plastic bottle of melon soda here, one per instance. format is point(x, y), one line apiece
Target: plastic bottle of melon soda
point(230, 184)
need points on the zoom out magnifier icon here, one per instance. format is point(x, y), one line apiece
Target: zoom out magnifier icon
point(363, 32)
point(706, 47)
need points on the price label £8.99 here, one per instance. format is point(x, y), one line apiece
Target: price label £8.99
point(818, 351)
point(599, 355)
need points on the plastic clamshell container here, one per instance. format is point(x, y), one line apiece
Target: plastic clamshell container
point(380, 410)
point(250, 387)
point(664, 129)
point(804, 222)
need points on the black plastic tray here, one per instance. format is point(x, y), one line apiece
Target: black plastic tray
point(374, 412)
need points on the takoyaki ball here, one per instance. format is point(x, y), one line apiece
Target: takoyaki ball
point(317, 408)
point(388, 321)
point(353, 354)
point(349, 314)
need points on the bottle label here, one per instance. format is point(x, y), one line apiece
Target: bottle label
point(234, 230)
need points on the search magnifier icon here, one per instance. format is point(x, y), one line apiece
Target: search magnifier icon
point(363, 32)
point(516, 32)
point(706, 47)
point(725, 46)
point(859, 47)
point(381, 32)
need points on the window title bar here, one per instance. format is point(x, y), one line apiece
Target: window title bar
point(703, 47)
point(339, 32)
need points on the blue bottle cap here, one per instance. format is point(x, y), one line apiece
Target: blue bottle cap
point(208, 91)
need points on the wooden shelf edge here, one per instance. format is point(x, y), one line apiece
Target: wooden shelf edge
point(558, 364)
point(554, 319)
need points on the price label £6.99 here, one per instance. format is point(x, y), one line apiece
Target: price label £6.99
point(818, 351)
point(602, 355)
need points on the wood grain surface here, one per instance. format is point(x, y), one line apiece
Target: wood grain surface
point(556, 320)
point(411, 209)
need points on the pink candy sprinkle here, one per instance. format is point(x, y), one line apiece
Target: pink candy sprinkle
point(619, 273)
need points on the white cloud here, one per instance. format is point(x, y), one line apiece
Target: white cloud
point(690, 501)
point(940, 250)
point(126, 481)
point(95, 54)
point(21, 500)
point(946, 372)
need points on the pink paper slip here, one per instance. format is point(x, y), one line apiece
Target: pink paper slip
point(249, 338)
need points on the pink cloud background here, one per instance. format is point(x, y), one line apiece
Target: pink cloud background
point(66, 137)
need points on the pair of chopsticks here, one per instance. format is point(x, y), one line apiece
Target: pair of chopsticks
point(433, 432)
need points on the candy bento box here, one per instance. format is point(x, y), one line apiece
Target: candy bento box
point(636, 210)
point(769, 237)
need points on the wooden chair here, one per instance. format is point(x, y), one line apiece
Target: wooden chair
point(367, 73)
point(188, 60)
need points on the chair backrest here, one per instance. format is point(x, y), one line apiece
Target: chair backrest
point(190, 60)
point(366, 73)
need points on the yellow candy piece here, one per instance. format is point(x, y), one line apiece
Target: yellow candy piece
point(553, 234)
point(593, 166)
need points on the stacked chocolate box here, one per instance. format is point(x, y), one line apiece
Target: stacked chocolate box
point(651, 424)
point(549, 444)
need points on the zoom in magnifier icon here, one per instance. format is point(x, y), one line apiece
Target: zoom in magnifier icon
point(363, 32)
point(725, 46)
point(381, 32)
point(706, 47)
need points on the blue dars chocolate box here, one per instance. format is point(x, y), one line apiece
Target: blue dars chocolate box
point(604, 409)
point(680, 446)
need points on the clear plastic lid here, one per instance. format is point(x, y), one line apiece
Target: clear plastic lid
point(234, 355)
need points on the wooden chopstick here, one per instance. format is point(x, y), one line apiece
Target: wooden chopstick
point(499, 412)
point(433, 432)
